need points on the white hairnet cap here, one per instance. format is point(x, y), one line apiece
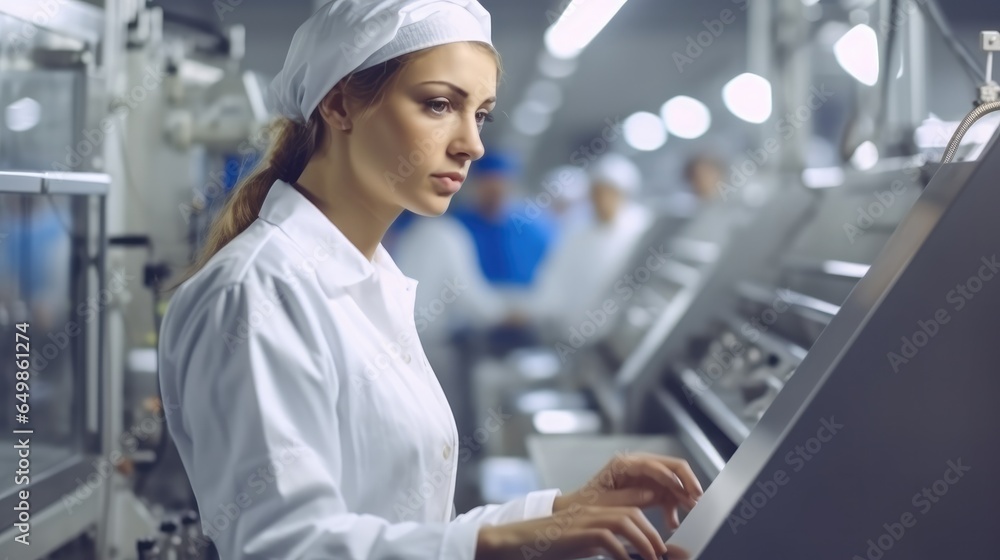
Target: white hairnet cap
point(345, 36)
point(618, 171)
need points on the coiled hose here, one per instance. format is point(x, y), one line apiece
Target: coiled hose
point(964, 126)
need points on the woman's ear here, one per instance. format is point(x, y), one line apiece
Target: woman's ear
point(333, 109)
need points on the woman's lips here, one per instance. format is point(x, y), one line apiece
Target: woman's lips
point(445, 184)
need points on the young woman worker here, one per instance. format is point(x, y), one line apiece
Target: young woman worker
point(301, 403)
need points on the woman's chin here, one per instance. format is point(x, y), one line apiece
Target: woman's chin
point(435, 205)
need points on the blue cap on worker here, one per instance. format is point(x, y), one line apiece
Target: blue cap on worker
point(497, 162)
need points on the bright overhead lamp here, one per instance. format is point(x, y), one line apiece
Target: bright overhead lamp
point(857, 53)
point(748, 96)
point(866, 156)
point(686, 117)
point(577, 26)
point(644, 131)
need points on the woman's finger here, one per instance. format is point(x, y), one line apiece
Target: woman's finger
point(632, 496)
point(675, 552)
point(644, 525)
point(678, 466)
point(640, 538)
point(660, 474)
point(605, 539)
point(683, 470)
point(671, 513)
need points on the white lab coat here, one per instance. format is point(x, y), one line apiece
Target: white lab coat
point(579, 275)
point(303, 407)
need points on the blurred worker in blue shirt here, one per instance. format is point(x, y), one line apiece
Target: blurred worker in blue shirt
point(509, 245)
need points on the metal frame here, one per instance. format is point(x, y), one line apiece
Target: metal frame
point(751, 263)
point(55, 522)
point(690, 434)
point(54, 182)
point(68, 17)
point(58, 522)
point(690, 311)
point(902, 425)
point(20, 182)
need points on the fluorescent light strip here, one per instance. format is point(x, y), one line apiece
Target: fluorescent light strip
point(577, 26)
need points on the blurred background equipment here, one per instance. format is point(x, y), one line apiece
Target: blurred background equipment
point(716, 230)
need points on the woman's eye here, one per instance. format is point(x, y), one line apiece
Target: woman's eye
point(437, 106)
point(482, 118)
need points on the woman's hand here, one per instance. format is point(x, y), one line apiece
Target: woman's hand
point(639, 480)
point(575, 532)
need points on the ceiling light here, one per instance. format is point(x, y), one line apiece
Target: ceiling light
point(577, 26)
point(748, 96)
point(866, 156)
point(644, 131)
point(686, 117)
point(857, 53)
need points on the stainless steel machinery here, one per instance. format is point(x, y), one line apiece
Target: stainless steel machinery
point(881, 440)
point(724, 362)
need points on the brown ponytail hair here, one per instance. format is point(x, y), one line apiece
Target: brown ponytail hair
point(291, 145)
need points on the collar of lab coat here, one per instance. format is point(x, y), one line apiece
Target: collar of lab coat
point(324, 245)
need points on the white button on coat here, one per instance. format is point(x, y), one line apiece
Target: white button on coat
point(304, 428)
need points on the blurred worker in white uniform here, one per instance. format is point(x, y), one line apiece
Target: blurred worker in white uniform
point(722, 207)
point(577, 277)
point(704, 175)
point(453, 293)
point(294, 386)
point(571, 209)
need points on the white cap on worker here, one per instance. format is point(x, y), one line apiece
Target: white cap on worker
point(346, 36)
point(618, 171)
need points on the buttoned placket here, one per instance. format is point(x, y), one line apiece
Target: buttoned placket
point(450, 452)
point(434, 386)
point(413, 358)
point(450, 446)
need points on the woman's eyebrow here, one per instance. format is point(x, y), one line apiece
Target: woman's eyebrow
point(458, 90)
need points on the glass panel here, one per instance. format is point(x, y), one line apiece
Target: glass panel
point(38, 285)
point(43, 257)
point(41, 91)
